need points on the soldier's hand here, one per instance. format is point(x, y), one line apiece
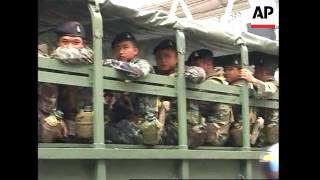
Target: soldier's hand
point(87, 54)
point(107, 62)
point(73, 55)
point(195, 74)
point(247, 75)
point(110, 62)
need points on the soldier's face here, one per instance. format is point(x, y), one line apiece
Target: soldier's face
point(260, 73)
point(70, 42)
point(108, 99)
point(125, 51)
point(166, 59)
point(231, 73)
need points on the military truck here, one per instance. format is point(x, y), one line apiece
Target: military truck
point(102, 161)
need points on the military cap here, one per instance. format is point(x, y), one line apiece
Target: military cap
point(59, 114)
point(165, 44)
point(201, 53)
point(124, 36)
point(71, 28)
point(229, 60)
point(259, 59)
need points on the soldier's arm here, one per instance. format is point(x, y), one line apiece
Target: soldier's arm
point(73, 55)
point(195, 74)
point(135, 70)
point(264, 89)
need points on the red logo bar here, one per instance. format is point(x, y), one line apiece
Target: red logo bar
point(272, 26)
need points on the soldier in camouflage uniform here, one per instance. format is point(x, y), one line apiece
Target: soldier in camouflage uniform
point(233, 69)
point(47, 103)
point(264, 85)
point(218, 115)
point(71, 48)
point(131, 112)
point(166, 59)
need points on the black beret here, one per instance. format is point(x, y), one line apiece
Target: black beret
point(124, 36)
point(71, 28)
point(165, 44)
point(201, 53)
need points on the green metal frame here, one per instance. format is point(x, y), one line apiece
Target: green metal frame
point(50, 70)
point(246, 165)
point(98, 118)
point(100, 78)
point(119, 153)
point(182, 103)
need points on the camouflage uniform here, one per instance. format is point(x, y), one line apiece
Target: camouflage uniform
point(256, 123)
point(237, 126)
point(70, 98)
point(136, 68)
point(49, 128)
point(170, 134)
point(263, 90)
point(218, 116)
point(47, 102)
point(73, 98)
point(130, 110)
point(73, 55)
point(270, 132)
point(130, 107)
point(47, 96)
point(194, 120)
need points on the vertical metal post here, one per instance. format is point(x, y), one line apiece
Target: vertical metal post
point(101, 171)
point(244, 98)
point(182, 102)
point(98, 120)
point(181, 91)
point(97, 31)
point(246, 169)
point(184, 169)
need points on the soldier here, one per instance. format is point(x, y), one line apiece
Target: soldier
point(47, 103)
point(233, 69)
point(166, 59)
point(218, 115)
point(47, 95)
point(108, 104)
point(264, 85)
point(71, 48)
point(71, 44)
point(134, 118)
